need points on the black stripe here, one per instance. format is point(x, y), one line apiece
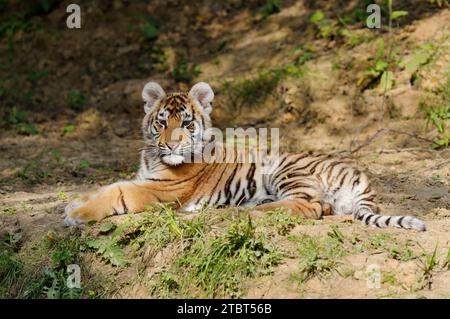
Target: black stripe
point(228, 184)
point(214, 189)
point(376, 221)
point(342, 179)
point(303, 195)
point(388, 220)
point(356, 182)
point(122, 200)
point(399, 221)
point(331, 167)
point(288, 166)
point(159, 180)
point(367, 220)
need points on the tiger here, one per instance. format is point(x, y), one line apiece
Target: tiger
point(306, 184)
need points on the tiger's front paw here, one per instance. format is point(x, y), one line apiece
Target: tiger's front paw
point(72, 213)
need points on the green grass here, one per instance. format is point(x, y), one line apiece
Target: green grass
point(217, 266)
point(19, 121)
point(283, 221)
point(184, 72)
point(270, 7)
point(250, 91)
point(437, 112)
point(319, 255)
point(149, 29)
point(76, 100)
point(40, 270)
point(427, 264)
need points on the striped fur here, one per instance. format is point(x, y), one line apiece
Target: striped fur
point(310, 185)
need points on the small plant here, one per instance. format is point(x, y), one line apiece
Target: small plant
point(35, 76)
point(326, 28)
point(437, 110)
point(318, 255)
point(428, 262)
point(183, 72)
point(84, 164)
point(447, 259)
point(62, 195)
point(149, 29)
point(270, 7)
point(108, 249)
point(439, 117)
point(251, 91)
point(76, 100)
point(218, 265)
point(283, 221)
point(68, 129)
point(388, 278)
point(19, 120)
point(419, 57)
point(10, 265)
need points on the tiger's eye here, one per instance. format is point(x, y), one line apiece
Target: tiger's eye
point(186, 123)
point(161, 123)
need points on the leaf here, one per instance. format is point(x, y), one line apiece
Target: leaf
point(386, 82)
point(108, 250)
point(115, 256)
point(398, 14)
point(418, 59)
point(107, 227)
point(317, 16)
point(380, 49)
point(380, 65)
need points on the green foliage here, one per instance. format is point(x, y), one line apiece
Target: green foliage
point(149, 29)
point(183, 72)
point(325, 27)
point(62, 195)
point(76, 100)
point(10, 265)
point(271, 7)
point(397, 14)
point(252, 90)
point(39, 168)
point(420, 57)
point(43, 274)
point(84, 164)
point(319, 255)
point(439, 3)
point(428, 263)
point(108, 249)
point(283, 221)
point(219, 265)
point(437, 110)
point(19, 120)
point(68, 129)
point(16, 116)
point(35, 76)
point(33, 173)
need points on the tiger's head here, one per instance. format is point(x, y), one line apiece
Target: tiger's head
point(174, 123)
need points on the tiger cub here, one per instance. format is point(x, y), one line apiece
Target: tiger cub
point(309, 185)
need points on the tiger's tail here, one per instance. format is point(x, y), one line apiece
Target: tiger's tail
point(367, 216)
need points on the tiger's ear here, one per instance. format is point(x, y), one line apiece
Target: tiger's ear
point(203, 93)
point(151, 94)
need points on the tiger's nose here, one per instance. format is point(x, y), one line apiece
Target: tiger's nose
point(172, 146)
